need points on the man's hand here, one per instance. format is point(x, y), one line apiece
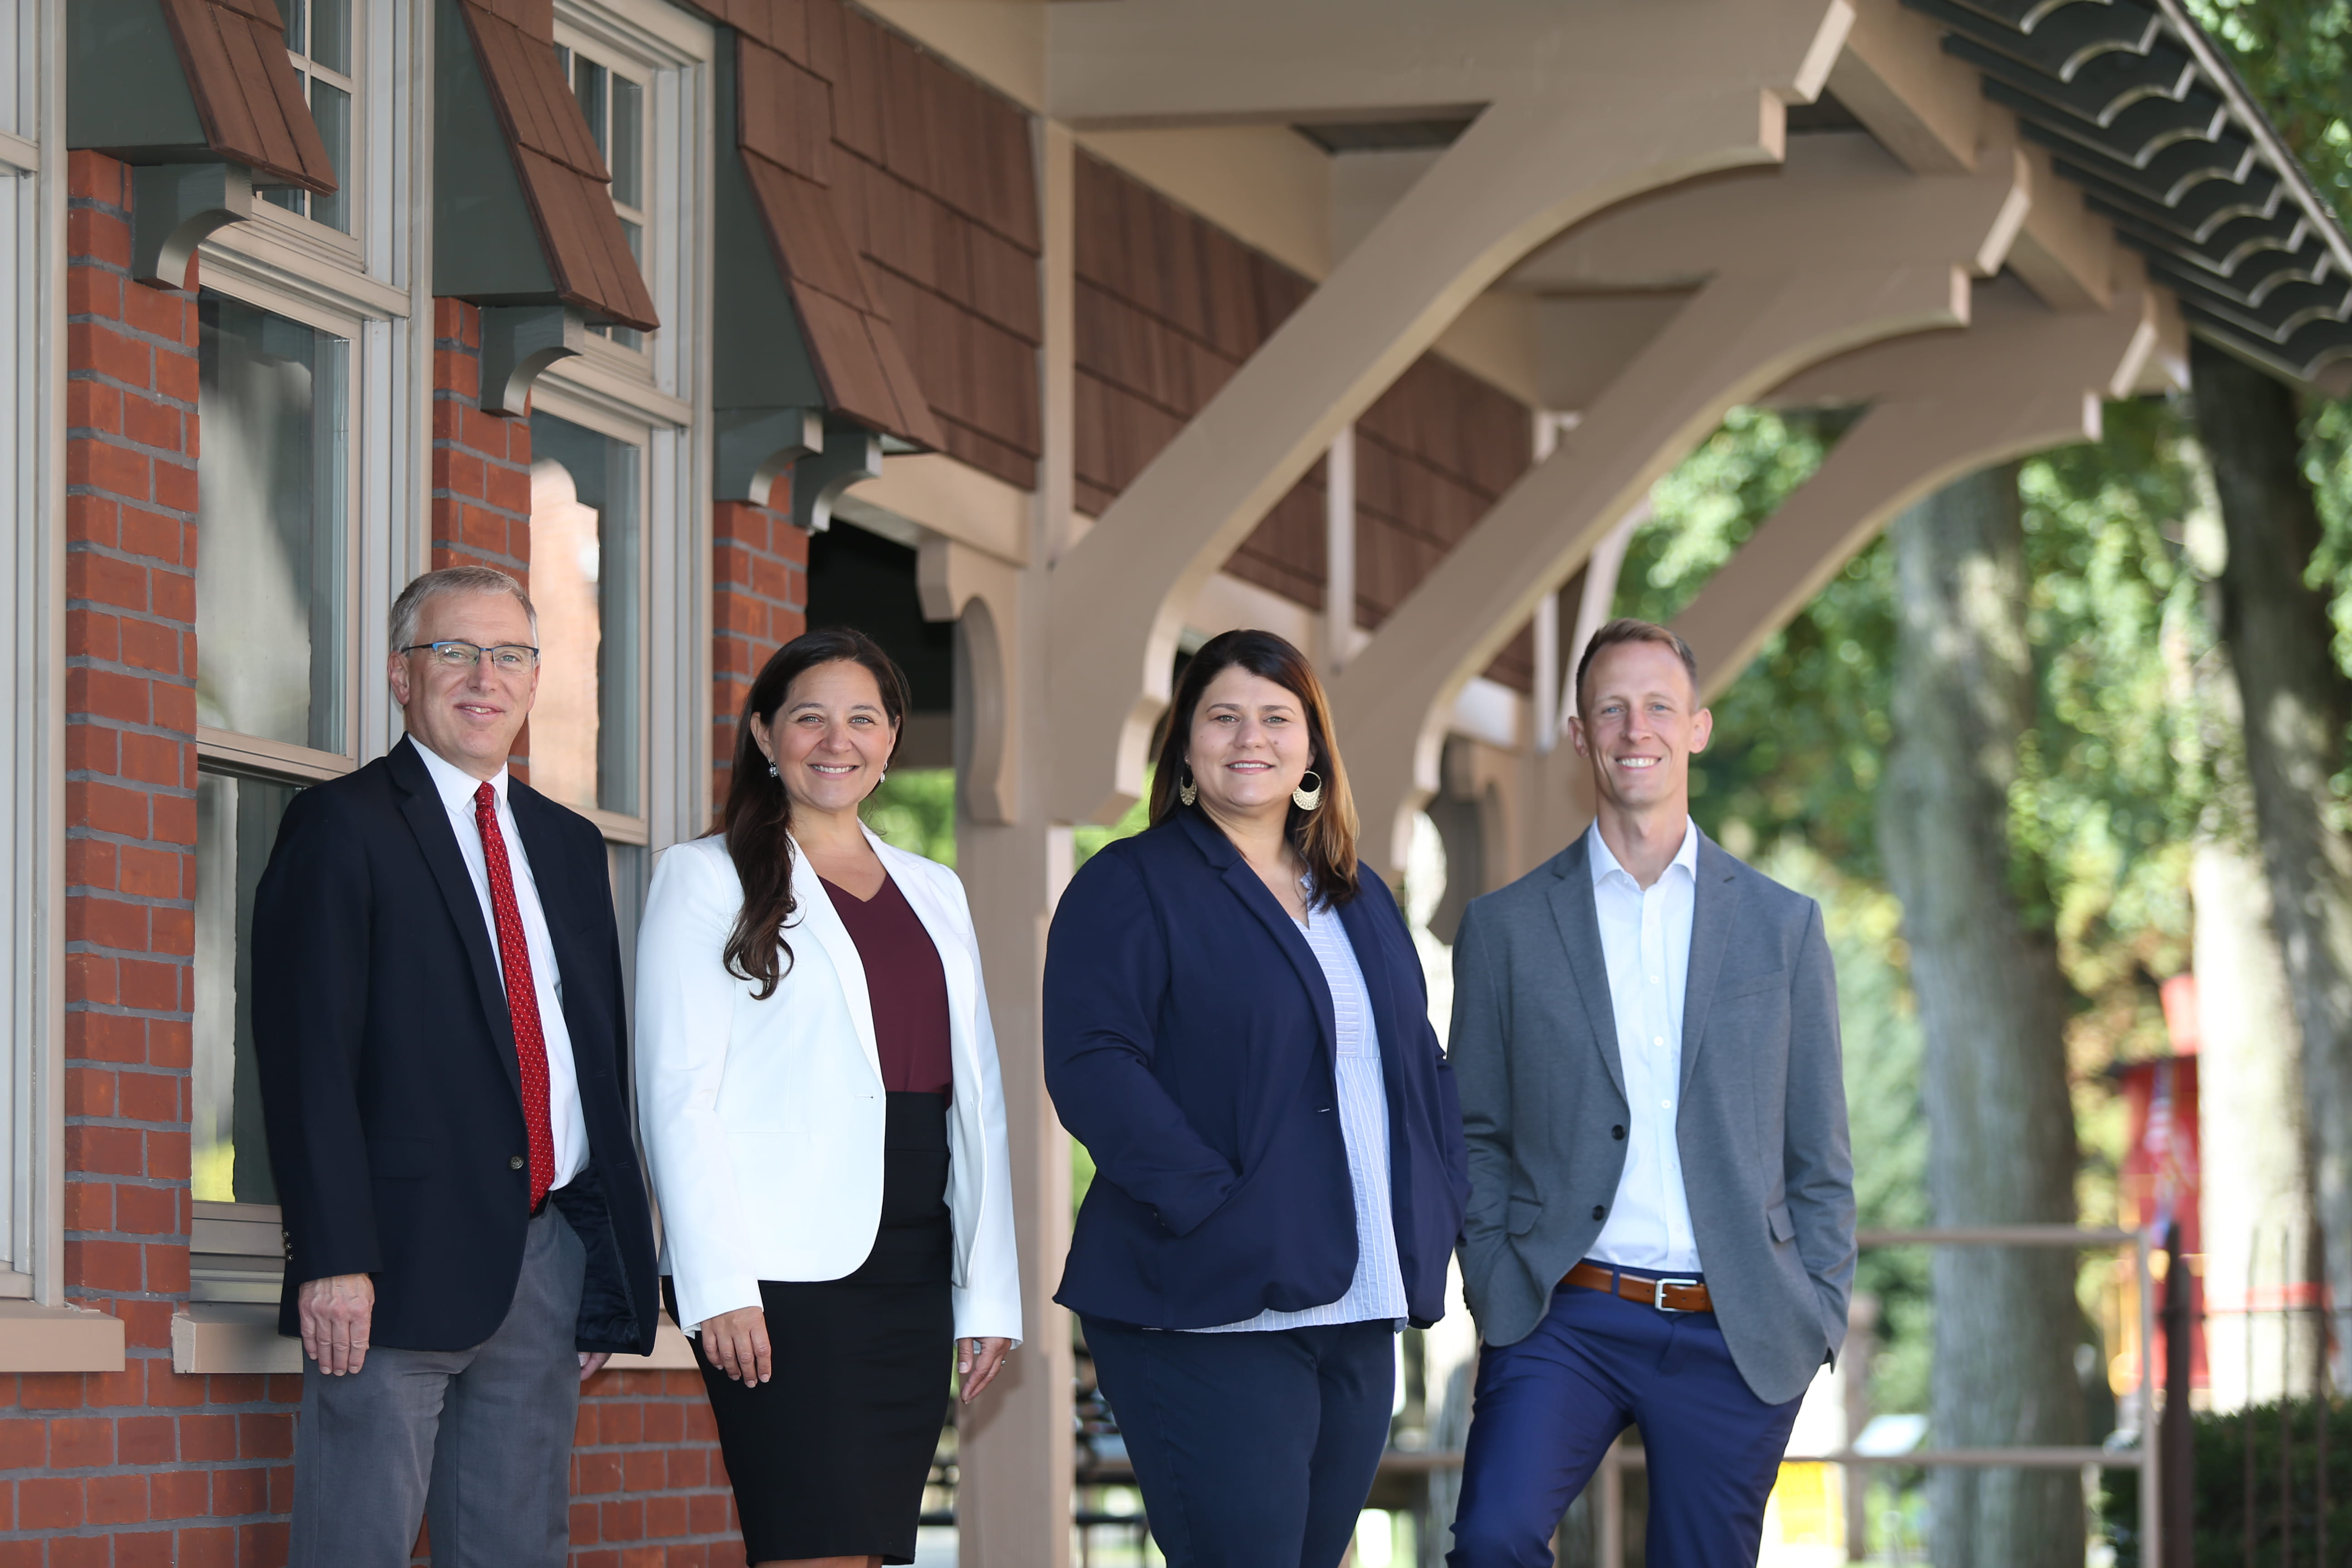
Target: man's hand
point(737, 1343)
point(978, 1362)
point(335, 1313)
point(592, 1363)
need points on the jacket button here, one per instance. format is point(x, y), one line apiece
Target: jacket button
point(1599, 1210)
point(1618, 1133)
point(514, 1162)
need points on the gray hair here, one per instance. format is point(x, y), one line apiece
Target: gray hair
point(453, 580)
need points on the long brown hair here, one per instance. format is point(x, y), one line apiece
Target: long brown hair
point(757, 817)
point(1324, 838)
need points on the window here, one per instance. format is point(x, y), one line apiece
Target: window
point(274, 673)
point(615, 104)
point(319, 40)
point(237, 823)
point(586, 543)
point(272, 583)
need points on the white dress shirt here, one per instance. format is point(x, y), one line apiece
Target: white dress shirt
point(1645, 936)
point(1376, 1291)
point(458, 788)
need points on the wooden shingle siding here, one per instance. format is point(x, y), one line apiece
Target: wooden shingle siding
point(1169, 306)
point(564, 180)
point(870, 156)
point(246, 94)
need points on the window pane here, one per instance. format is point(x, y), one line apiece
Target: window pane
point(332, 108)
point(290, 197)
point(237, 821)
point(298, 14)
point(270, 576)
point(585, 576)
point(588, 87)
point(330, 36)
point(628, 158)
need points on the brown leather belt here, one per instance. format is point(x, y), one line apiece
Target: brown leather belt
point(1668, 1295)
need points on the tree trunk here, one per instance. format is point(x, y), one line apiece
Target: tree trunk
point(1993, 1012)
point(2297, 703)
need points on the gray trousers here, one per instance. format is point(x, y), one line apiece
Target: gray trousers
point(478, 1441)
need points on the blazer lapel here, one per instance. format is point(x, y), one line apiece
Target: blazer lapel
point(1715, 912)
point(955, 958)
point(815, 916)
point(437, 842)
point(1259, 901)
point(1580, 932)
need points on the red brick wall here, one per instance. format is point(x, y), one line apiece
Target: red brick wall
point(648, 1490)
point(142, 1466)
point(760, 592)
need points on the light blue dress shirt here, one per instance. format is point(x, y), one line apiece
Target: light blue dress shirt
point(1645, 936)
point(1376, 1291)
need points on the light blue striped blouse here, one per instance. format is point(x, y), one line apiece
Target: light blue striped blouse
point(1377, 1293)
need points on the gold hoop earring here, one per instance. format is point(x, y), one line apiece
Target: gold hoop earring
point(1188, 792)
point(1306, 799)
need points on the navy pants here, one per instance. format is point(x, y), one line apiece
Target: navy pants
point(1252, 1450)
point(1547, 1409)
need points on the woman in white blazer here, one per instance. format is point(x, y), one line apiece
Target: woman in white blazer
point(818, 1089)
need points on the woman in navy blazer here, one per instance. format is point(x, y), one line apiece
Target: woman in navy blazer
point(1237, 1029)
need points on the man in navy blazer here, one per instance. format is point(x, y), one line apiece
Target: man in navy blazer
point(439, 1028)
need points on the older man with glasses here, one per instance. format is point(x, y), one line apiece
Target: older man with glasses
point(438, 1019)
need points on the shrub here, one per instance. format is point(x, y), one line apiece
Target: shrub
point(2220, 1507)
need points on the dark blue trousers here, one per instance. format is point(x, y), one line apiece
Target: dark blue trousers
point(1252, 1450)
point(1546, 1410)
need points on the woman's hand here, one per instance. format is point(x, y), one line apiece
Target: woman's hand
point(737, 1344)
point(977, 1361)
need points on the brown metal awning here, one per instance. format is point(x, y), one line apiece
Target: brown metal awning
point(563, 178)
point(248, 97)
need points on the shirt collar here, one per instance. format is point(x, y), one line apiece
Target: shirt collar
point(457, 787)
point(1603, 863)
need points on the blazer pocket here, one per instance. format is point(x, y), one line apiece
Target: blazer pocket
point(405, 1158)
point(1784, 1229)
point(1753, 985)
point(1521, 1215)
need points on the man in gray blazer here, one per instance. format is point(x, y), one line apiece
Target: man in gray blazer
point(1661, 1221)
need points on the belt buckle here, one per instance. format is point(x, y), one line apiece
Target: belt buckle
point(1658, 1293)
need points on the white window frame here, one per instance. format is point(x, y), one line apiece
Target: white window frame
point(32, 708)
point(374, 288)
point(662, 394)
point(349, 182)
point(620, 425)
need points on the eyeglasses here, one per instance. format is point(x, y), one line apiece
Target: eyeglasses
point(507, 659)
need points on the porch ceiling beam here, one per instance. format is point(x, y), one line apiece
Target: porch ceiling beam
point(1920, 103)
point(2020, 380)
point(1621, 105)
point(1857, 251)
point(1114, 63)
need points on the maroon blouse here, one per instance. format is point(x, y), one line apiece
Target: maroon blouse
point(906, 985)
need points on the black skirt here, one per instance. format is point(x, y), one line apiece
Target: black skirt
point(829, 1458)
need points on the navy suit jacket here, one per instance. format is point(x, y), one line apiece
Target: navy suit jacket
point(389, 1083)
point(1189, 1045)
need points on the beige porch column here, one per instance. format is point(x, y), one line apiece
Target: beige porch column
point(2022, 379)
point(1840, 248)
point(1599, 102)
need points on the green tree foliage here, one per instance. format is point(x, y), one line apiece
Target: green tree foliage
point(914, 809)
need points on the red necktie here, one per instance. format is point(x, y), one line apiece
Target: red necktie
point(522, 995)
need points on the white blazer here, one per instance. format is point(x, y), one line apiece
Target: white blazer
point(764, 1121)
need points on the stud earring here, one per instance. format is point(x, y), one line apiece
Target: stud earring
point(1306, 799)
point(1188, 792)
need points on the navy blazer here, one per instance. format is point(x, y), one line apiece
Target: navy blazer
point(389, 1083)
point(1189, 1045)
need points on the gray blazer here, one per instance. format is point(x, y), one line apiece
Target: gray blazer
point(1762, 1130)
